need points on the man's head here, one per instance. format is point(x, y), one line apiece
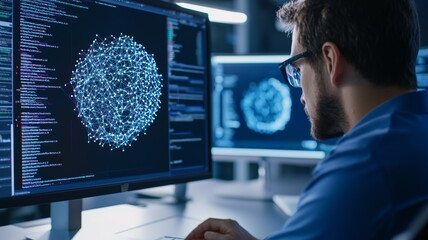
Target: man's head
point(378, 38)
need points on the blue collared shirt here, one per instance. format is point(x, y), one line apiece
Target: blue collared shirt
point(374, 182)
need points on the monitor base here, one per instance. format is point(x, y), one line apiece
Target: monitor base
point(99, 223)
point(287, 203)
point(66, 221)
point(259, 189)
point(171, 194)
point(246, 190)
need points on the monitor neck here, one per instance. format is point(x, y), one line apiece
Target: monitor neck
point(66, 220)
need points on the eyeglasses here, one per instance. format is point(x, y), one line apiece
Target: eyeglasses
point(291, 73)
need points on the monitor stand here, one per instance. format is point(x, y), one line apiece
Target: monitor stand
point(259, 189)
point(70, 222)
point(287, 203)
point(171, 194)
point(66, 221)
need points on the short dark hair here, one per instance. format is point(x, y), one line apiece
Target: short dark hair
point(379, 37)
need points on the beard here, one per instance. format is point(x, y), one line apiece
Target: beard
point(329, 118)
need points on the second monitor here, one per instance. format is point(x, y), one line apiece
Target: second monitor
point(256, 113)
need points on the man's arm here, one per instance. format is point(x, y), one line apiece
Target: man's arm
point(347, 198)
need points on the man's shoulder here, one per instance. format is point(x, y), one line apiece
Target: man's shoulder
point(398, 125)
point(388, 142)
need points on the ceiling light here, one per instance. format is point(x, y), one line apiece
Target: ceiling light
point(217, 15)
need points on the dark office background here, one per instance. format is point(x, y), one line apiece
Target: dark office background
point(263, 34)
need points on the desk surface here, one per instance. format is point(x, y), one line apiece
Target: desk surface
point(132, 218)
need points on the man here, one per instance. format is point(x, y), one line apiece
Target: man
point(355, 61)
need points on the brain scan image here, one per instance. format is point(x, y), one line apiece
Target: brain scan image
point(116, 89)
point(266, 106)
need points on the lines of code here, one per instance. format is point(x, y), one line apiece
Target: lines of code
point(38, 82)
point(5, 94)
point(187, 92)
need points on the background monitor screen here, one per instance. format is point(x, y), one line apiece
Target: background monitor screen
point(422, 68)
point(104, 96)
point(255, 112)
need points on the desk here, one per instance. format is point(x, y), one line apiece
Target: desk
point(126, 221)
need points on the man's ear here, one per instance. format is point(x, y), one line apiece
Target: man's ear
point(335, 63)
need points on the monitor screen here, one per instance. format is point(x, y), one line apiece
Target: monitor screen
point(422, 68)
point(255, 112)
point(101, 97)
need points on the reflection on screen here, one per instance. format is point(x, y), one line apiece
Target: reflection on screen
point(422, 68)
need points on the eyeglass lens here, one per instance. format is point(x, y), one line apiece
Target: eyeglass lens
point(293, 75)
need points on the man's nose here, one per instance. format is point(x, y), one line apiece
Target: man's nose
point(302, 99)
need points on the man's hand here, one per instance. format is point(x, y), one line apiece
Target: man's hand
point(219, 229)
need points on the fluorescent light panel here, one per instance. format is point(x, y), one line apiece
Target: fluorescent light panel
point(217, 15)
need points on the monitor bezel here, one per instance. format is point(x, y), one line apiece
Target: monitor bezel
point(72, 194)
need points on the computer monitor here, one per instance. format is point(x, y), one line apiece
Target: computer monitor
point(102, 96)
point(257, 114)
point(422, 68)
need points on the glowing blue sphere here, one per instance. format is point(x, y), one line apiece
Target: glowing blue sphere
point(267, 106)
point(117, 90)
